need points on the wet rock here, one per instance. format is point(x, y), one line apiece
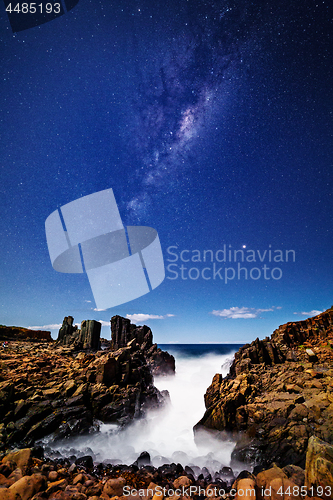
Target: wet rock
point(143, 459)
point(85, 461)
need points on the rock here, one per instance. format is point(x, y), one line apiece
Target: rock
point(313, 358)
point(88, 337)
point(182, 481)
point(245, 489)
point(161, 362)
point(114, 487)
point(67, 330)
point(85, 461)
point(143, 459)
point(275, 395)
point(295, 474)
point(264, 478)
point(49, 389)
point(284, 489)
point(16, 333)
point(122, 332)
point(56, 485)
point(319, 464)
point(6, 494)
point(28, 486)
point(53, 476)
point(21, 458)
point(90, 334)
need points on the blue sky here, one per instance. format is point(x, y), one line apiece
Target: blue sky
point(211, 122)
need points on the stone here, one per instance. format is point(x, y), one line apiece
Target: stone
point(85, 461)
point(245, 489)
point(22, 458)
point(319, 464)
point(122, 332)
point(114, 487)
point(274, 395)
point(182, 481)
point(88, 337)
point(7, 494)
point(280, 487)
point(28, 486)
point(313, 358)
point(265, 477)
point(56, 485)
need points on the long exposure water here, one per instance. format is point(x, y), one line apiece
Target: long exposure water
point(167, 434)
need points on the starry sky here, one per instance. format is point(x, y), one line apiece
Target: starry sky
point(211, 121)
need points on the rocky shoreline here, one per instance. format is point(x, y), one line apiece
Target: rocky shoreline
point(62, 388)
point(278, 393)
point(276, 401)
point(25, 474)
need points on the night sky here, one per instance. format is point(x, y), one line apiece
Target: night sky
point(212, 121)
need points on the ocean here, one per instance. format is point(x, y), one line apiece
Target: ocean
point(167, 434)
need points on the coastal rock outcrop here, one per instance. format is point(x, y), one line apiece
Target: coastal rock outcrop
point(48, 388)
point(278, 393)
point(124, 332)
point(88, 337)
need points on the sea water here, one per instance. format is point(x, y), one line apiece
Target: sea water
point(167, 433)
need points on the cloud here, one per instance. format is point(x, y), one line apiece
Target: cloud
point(240, 312)
point(314, 312)
point(145, 317)
point(54, 326)
point(98, 310)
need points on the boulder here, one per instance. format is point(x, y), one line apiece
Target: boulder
point(21, 458)
point(28, 486)
point(319, 465)
point(114, 487)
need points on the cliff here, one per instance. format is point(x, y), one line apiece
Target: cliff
point(19, 333)
point(54, 389)
point(278, 393)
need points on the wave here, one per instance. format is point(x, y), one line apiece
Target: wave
point(167, 433)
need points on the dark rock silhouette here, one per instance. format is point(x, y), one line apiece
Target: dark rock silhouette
point(123, 333)
point(87, 338)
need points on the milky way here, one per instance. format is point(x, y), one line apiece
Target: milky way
point(180, 86)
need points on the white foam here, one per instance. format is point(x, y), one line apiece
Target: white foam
point(167, 434)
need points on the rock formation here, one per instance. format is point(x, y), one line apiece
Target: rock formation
point(87, 338)
point(123, 332)
point(278, 393)
point(53, 388)
point(18, 333)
